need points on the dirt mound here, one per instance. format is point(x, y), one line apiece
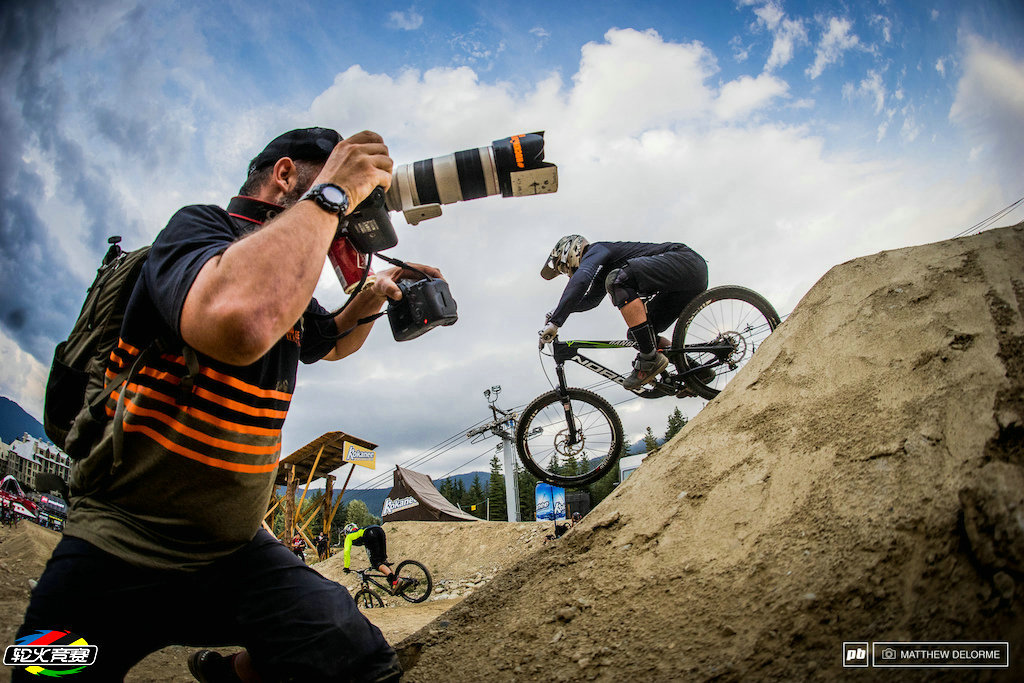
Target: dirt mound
point(461, 556)
point(23, 554)
point(862, 479)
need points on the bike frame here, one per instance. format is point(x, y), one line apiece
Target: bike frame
point(366, 579)
point(569, 351)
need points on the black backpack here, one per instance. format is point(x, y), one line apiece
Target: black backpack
point(73, 408)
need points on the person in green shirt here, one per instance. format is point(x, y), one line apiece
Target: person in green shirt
point(375, 541)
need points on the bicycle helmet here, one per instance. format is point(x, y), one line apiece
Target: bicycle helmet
point(351, 528)
point(565, 257)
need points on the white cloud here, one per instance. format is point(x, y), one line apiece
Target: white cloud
point(22, 377)
point(873, 87)
point(989, 105)
point(409, 20)
point(940, 66)
point(745, 95)
point(787, 34)
point(635, 80)
point(884, 25)
point(833, 44)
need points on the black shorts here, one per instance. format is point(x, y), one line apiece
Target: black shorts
point(296, 624)
point(375, 542)
point(674, 278)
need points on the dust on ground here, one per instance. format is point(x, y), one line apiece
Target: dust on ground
point(461, 557)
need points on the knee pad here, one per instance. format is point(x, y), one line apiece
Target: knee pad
point(621, 287)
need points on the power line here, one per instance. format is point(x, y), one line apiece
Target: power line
point(982, 225)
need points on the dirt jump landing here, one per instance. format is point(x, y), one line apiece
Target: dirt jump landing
point(862, 479)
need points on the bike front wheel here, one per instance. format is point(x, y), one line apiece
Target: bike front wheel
point(731, 323)
point(558, 455)
point(367, 599)
point(414, 581)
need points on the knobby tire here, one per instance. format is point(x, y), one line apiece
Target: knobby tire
point(411, 569)
point(702, 321)
point(595, 418)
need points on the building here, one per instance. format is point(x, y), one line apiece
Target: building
point(628, 465)
point(28, 457)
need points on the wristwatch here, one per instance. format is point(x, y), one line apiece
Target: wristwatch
point(328, 197)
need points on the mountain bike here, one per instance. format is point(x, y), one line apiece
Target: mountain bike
point(572, 437)
point(414, 584)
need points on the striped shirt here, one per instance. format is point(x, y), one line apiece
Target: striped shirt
point(201, 438)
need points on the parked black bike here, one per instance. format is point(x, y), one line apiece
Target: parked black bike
point(572, 437)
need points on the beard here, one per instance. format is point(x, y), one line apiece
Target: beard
point(307, 173)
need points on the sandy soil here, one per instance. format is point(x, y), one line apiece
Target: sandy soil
point(862, 479)
point(461, 557)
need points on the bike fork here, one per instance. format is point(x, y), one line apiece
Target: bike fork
point(563, 395)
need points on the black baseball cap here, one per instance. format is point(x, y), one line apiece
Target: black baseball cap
point(302, 144)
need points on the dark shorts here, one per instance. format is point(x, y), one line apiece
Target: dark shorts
point(375, 542)
point(672, 279)
point(296, 624)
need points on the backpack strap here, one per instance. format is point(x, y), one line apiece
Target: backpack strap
point(122, 381)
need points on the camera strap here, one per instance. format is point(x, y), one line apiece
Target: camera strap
point(351, 298)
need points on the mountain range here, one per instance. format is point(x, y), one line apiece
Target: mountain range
point(14, 422)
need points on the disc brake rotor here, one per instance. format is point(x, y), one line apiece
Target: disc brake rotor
point(562, 445)
point(739, 346)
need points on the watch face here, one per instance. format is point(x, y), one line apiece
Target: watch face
point(332, 194)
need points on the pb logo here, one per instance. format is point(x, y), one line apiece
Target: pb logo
point(855, 654)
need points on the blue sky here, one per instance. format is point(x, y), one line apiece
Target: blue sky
point(776, 138)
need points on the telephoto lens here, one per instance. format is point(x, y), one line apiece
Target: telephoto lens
point(513, 166)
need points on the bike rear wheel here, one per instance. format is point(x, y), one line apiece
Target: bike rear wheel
point(367, 599)
point(544, 444)
point(414, 581)
point(737, 320)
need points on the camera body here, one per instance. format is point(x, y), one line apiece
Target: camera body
point(425, 304)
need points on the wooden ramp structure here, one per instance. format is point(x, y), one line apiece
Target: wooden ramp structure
point(316, 460)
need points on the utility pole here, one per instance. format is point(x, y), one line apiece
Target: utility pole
point(503, 425)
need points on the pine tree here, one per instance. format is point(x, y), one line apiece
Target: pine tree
point(476, 498)
point(603, 487)
point(676, 422)
point(496, 491)
point(360, 515)
point(447, 489)
point(650, 441)
point(460, 494)
point(527, 485)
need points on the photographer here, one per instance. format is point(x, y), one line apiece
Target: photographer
point(165, 527)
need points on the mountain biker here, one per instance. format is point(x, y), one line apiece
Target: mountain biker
point(374, 540)
point(669, 275)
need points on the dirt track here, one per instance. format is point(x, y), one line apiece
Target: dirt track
point(461, 556)
point(862, 479)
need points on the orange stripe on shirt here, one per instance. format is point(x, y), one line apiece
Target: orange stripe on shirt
point(199, 457)
point(247, 387)
point(196, 435)
point(239, 407)
point(148, 392)
point(122, 344)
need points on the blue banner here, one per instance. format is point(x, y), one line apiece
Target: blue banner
point(558, 502)
point(550, 502)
